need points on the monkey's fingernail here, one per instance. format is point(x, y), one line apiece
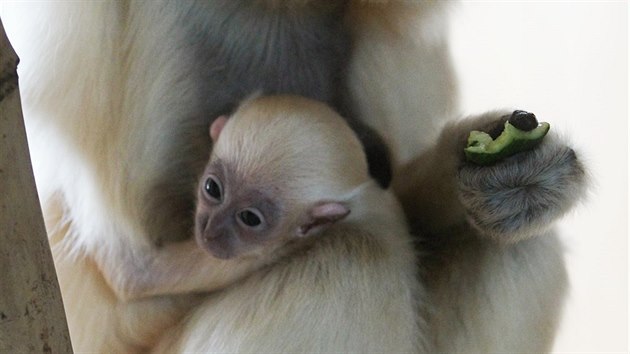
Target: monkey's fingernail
point(523, 120)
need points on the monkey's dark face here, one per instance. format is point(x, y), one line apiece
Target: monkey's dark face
point(233, 217)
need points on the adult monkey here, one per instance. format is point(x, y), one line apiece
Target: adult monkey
point(126, 101)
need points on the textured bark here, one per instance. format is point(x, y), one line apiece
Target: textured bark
point(32, 317)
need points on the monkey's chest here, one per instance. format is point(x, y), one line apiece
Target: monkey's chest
point(275, 53)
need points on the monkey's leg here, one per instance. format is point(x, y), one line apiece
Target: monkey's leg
point(488, 297)
point(100, 322)
point(492, 285)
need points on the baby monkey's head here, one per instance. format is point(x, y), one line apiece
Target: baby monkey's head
point(281, 169)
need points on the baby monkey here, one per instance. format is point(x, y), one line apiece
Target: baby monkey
point(287, 187)
point(277, 180)
point(282, 170)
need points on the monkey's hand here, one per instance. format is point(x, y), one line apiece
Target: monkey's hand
point(520, 196)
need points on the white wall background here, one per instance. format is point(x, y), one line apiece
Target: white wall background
point(566, 61)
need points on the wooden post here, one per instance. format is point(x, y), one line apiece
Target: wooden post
point(32, 317)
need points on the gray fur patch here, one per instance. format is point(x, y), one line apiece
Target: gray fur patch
point(521, 196)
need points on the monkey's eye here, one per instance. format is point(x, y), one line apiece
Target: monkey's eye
point(250, 217)
point(213, 188)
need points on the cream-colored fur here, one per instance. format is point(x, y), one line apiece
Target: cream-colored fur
point(350, 292)
point(493, 266)
point(354, 288)
point(109, 99)
point(400, 73)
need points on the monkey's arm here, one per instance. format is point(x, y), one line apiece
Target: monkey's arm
point(511, 200)
point(175, 268)
point(486, 291)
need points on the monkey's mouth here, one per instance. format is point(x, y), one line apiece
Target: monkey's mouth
point(218, 246)
point(220, 253)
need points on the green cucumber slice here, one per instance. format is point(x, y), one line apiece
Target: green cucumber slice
point(483, 150)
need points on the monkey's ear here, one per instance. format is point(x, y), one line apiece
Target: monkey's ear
point(321, 216)
point(216, 127)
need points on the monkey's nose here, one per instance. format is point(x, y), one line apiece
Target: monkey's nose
point(209, 236)
point(523, 120)
point(210, 233)
point(215, 230)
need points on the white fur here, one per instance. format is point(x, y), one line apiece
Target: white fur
point(400, 74)
point(298, 306)
point(100, 92)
